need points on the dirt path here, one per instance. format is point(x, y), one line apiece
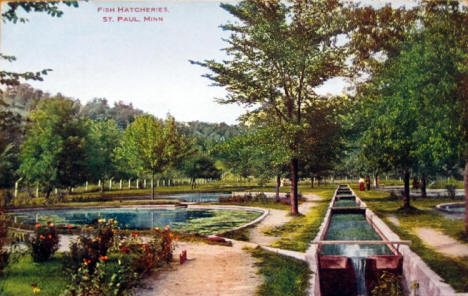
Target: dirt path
point(442, 243)
point(210, 271)
point(277, 218)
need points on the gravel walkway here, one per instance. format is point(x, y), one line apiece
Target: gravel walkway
point(442, 243)
point(211, 270)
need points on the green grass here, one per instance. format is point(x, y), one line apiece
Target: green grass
point(298, 232)
point(283, 276)
point(453, 270)
point(19, 276)
point(240, 234)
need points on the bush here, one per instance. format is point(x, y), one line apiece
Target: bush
point(105, 279)
point(142, 257)
point(45, 242)
point(93, 243)
point(126, 263)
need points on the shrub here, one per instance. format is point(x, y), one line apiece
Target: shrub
point(105, 279)
point(93, 243)
point(126, 263)
point(45, 242)
point(142, 257)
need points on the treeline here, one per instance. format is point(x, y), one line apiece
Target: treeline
point(406, 112)
point(54, 142)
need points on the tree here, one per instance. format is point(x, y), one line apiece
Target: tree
point(53, 153)
point(154, 146)
point(279, 54)
point(104, 136)
point(406, 99)
point(200, 167)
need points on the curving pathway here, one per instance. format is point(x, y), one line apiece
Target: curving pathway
point(213, 270)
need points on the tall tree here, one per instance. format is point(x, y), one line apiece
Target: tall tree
point(279, 54)
point(53, 153)
point(200, 166)
point(406, 99)
point(104, 137)
point(153, 145)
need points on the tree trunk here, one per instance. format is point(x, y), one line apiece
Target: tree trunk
point(278, 183)
point(294, 205)
point(152, 184)
point(192, 181)
point(48, 191)
point(423, 186)
point(466, 196)
point(312, 179)
point(406, 195)
point(376, 180)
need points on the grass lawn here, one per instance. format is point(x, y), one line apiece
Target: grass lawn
point(283, 276)
point(453, 270)
point(49, 276)
point(297, 233)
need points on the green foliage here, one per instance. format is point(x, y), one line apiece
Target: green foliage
point(283, 276)
point(153, 146)
point(118, 272)
point(45, 243)
point(201, 167)
point(104, 137)
point(92, 244)
point(53, 153)
point(404, 102)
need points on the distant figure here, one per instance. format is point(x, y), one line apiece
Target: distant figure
point(361, 184)
point(368, 183)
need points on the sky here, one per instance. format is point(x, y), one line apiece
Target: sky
point(145, 63)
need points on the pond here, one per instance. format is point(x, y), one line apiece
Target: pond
point(202, 221)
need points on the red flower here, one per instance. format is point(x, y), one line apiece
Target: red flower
point(167, 227)
point(41, 236)
point(156, 229)
point(103, 258)
point(69, 226)
point(38, 225)
point(134, 234)
point(50, 236)
point(125, 249)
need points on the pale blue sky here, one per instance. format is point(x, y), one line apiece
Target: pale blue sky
point(144, 63)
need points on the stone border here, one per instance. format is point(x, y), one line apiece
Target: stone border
point(441, 208)
point(414, 268)
point(311, 255)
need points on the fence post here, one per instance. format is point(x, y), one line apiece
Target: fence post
point(110, 184)
point(120, 184)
